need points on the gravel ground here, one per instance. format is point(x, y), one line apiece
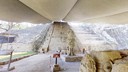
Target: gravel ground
point(43, 63)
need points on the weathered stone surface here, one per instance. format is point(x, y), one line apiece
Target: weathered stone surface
point(88, 64)
point(71, 43)
point(39, 40)
point(57, 38)
point(121, 61)
point(104, 66)
point(72, 58)
point(103, 56)
point(45, 45)
point(56, 68)
point(104, 59)
point(124, 52)
point(91, 40)
point(121, 67)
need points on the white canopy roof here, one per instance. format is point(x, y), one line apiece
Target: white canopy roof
point(15, 11)
point(44, 11)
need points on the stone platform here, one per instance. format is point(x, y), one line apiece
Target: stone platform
point(76, 58)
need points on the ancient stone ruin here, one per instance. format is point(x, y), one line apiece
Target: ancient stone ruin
point(64, 35)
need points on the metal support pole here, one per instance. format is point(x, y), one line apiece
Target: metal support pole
point(10, 61)
point(56, 61)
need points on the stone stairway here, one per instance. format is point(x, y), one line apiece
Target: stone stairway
point(120, 35)
point(91, 40)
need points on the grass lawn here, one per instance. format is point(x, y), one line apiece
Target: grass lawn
point(15, 55)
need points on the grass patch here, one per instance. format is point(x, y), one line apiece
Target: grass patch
point(15, 55)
